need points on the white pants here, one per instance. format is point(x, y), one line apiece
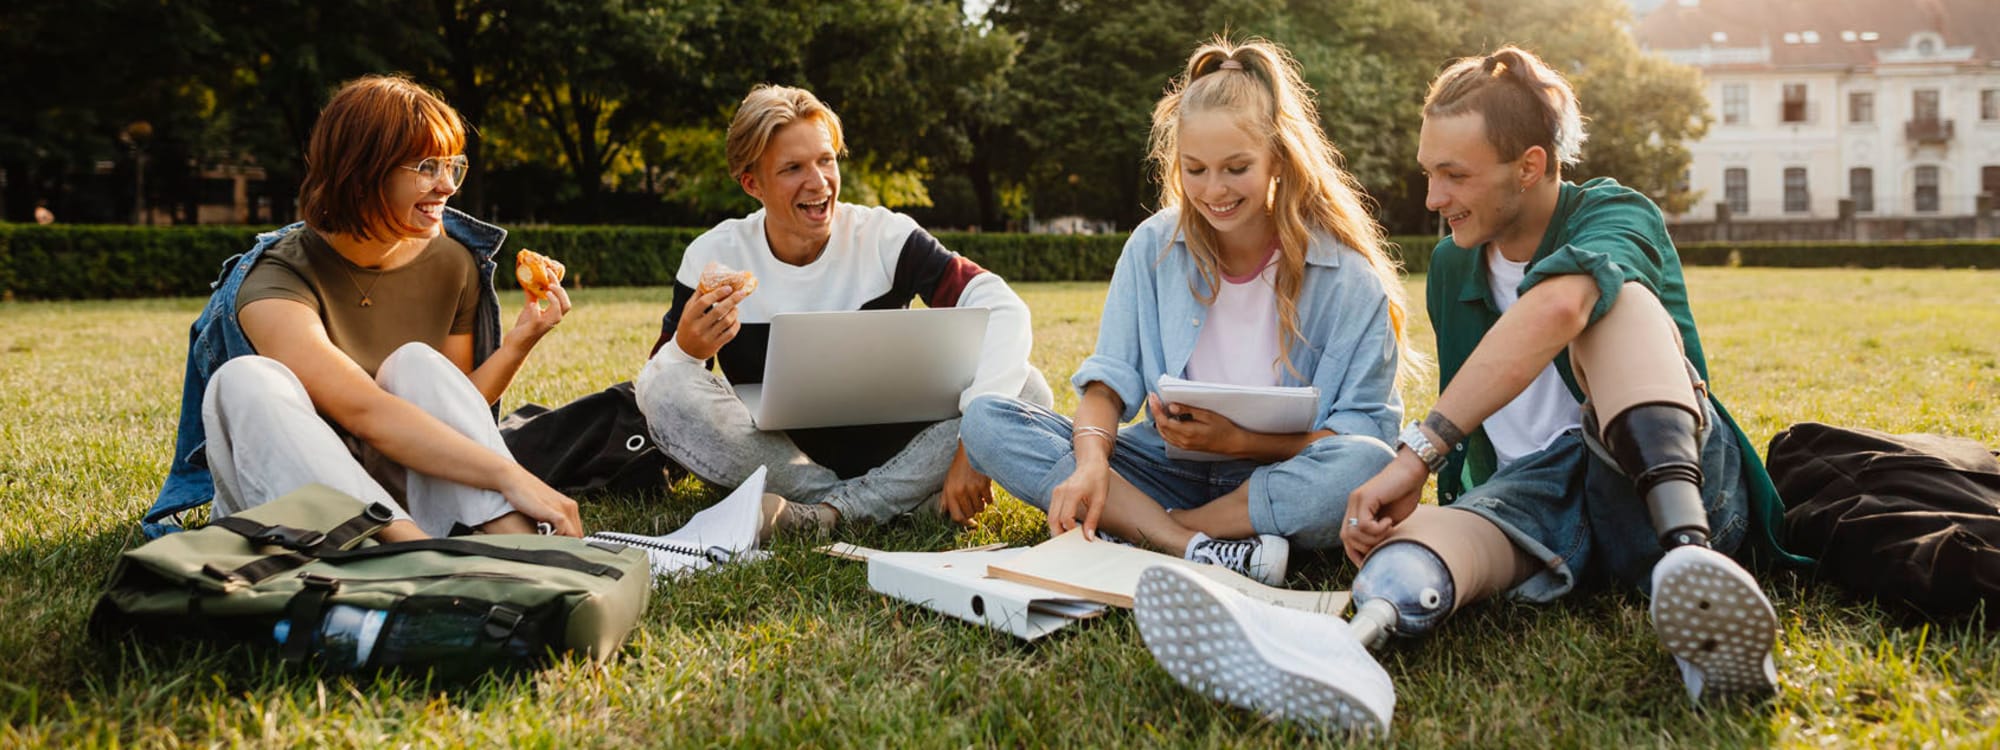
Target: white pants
point(265, 439)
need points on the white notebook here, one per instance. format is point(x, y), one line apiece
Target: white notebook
point(723, 532)
point(1273, 409)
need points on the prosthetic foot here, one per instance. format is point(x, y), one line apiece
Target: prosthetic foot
point(1283, 663)
point(1437, 560)
point(1657, 446)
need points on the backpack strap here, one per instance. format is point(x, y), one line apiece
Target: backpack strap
point(545, 557)
point(304, 544)
point(304, 610)
point(258, 570)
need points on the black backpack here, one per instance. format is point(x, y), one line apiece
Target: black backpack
point(595, 443)
point(1908, 520)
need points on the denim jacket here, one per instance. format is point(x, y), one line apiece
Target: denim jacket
point(217, 337)
point(1152, 318)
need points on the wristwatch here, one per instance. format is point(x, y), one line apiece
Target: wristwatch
point(1420, 443)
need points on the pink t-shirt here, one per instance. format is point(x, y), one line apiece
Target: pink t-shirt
point(1239, 343)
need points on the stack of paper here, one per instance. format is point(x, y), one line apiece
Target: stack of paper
point(1271, 409)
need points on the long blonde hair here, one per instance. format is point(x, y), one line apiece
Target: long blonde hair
point(1264, 92)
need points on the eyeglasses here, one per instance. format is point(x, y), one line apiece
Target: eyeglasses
point(438, 167)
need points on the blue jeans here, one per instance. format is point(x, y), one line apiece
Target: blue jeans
point(1026, 448)
point(1569, 506)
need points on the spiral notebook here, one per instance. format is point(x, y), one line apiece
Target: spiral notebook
point(721, 533)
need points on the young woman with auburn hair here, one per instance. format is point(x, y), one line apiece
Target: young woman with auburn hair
point(361, 348)
point(1263, 268)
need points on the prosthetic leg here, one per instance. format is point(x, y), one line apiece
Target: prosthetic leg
point(1708, 611)
point(1436, 561)
point(1631, 365)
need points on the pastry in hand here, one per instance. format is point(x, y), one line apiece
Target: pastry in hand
point(716, 275)
point(537, 273)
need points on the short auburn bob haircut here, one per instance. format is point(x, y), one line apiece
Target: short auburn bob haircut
point(373, 126)
point(766, 109)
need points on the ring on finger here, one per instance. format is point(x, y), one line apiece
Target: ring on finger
point(1353, 522)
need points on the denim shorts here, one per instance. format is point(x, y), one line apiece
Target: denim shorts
point(1570, 507)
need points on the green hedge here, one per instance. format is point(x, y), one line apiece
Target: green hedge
point(77, 262)
point(1906, 254)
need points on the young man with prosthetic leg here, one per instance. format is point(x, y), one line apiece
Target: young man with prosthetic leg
point(1574, 437)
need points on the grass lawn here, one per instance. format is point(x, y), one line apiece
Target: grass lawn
point(797, 651)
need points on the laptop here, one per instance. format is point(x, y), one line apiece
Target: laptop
point(866, 367)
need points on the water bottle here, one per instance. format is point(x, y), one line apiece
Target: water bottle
point(347, 635)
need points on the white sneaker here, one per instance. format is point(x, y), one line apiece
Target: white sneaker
point(1262, 557)
point(1713, 617)
point(1282, 663)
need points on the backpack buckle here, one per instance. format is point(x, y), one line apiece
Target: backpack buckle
point(289, 538)
point(378, 511)
point(319, 582)
point(501, 622)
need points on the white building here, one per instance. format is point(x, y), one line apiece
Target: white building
point(1894, 104)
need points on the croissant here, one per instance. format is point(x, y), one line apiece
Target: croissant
point(537, 273)
point(717, 275)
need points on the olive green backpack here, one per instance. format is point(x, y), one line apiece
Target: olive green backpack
point(302, 574)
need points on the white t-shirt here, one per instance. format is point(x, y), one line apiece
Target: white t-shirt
point(1239, 343)
point(1546, 409)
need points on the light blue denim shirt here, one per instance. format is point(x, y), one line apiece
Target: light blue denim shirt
point(1152, 318)
point(217, 337)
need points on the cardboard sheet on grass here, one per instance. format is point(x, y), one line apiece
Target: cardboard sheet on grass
point(1033, 591)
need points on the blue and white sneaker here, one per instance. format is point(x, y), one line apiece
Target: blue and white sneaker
point(1262, 557)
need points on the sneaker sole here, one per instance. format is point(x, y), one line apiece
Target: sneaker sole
point(1716, 617)
point(1193, 633)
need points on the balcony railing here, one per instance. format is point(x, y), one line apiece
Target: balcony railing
point(1928, 131)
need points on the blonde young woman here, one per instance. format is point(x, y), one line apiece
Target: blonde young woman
point(1261, 269)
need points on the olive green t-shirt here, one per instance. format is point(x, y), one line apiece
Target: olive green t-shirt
point(427, 299)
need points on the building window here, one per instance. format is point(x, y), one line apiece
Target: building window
point(1927, 189)
point(1861, 106)
point(1861, 189)
point(1795, 103)
point(1989, 105)
point(1736, 189)
point(1989, 181)
point(1735, 103)
point(1796, 198)
point(1924, 105)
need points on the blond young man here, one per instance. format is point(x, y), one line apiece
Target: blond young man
point(812, 253)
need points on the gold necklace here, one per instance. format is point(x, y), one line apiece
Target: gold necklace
point(366, 294)
point(366, 300)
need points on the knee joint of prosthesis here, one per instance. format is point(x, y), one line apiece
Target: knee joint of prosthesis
point(1659, 447)
point(1404, 589)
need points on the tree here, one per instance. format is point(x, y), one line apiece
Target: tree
point(1640, 109)
point(587, 76)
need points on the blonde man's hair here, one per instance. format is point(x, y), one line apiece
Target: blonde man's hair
point(763, 112)
point(1523, 102)
point(1264, 91)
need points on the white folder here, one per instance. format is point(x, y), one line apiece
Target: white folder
point(955, 583)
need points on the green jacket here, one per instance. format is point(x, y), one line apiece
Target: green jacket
point(1613, 234)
